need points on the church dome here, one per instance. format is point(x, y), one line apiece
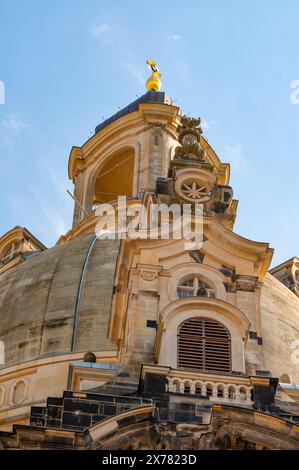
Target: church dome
point(280, 329)
point(137, 329)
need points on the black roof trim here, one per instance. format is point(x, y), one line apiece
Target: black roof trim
point(149, 97)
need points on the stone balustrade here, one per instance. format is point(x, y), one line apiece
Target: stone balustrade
point(222, 392)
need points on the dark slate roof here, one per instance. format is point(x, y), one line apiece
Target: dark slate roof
point(149, 97)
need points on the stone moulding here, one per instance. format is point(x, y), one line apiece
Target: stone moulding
point(165, 349)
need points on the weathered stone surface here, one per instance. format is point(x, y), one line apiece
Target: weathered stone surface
point(38, 300)
point(96, 297)
point(280, 328)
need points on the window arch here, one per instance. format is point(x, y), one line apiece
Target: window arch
point(205, 345)
point(285, 379)
point(109, 182)
point(194, 286)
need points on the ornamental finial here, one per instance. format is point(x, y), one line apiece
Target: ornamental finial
point(153, 83)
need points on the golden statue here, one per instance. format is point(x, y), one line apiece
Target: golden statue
point(153, 83)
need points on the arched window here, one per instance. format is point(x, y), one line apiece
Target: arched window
point(194, 286)
point(115, 177)
point(204, 345)
point(285, 379)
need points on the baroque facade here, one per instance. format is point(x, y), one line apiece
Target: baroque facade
point(144, 344)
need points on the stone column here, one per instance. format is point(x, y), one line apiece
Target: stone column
point(170, 385)
point(214, 394)
point(156, 154)
point(89, 193)
point(248, 396)
point(78, 194)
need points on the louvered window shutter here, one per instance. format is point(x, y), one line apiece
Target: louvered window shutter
point(204, 345)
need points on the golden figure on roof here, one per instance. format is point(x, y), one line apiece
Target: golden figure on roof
point(153, 83)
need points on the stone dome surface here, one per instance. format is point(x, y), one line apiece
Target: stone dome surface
point(39, 301)
point(280, 328)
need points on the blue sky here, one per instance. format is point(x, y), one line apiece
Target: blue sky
point(68, 64)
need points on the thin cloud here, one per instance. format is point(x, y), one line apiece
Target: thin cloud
point(10, 126)
point(135, 72)
point(53, 221)
point(54, 209)
point(106, 35)
point(111, 35)
point(173, 37)
point(98, 31)
point(13, 122)
point(207, 124)
point(235, 156)
point(59, 181)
